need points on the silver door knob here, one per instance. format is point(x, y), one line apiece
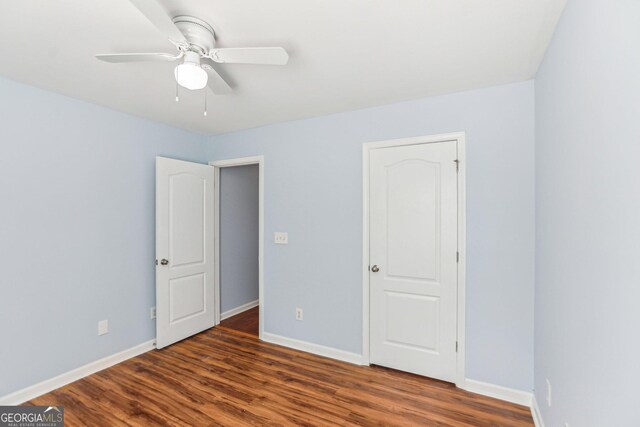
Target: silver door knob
point(164, 261)
point(375, 269)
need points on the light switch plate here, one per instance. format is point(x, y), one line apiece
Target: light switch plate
point(103, 327)
point(281, 238)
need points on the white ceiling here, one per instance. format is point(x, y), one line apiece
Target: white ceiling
point(345, 54)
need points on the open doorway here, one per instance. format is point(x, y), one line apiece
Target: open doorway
point(238, 245)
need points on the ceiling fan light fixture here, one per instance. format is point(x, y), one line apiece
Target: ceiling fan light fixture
point(189, 74)
point(195, 39)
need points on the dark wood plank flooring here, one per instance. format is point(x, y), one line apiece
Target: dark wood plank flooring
point(222, 377)
point(246, 322)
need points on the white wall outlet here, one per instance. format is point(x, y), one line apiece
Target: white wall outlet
point(103, 327)
point(152, 313)
point(299, 314)
point(548, 393)
point(281, 238)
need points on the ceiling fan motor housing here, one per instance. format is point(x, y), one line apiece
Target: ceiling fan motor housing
point(198, 33)
point(192, 58)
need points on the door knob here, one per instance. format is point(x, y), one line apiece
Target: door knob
point(375, 269)
point(164, 261)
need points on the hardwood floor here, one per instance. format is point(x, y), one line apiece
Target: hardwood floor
point(222, 377)
point(246, 322)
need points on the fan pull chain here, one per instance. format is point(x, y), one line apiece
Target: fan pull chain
point(205, 102)
point(177, 75)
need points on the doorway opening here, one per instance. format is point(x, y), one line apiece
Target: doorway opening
point(239, 244)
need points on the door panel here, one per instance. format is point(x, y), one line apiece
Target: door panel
point(399, 326)
point(186, 297)
point(413, 242)
point(184, 237)
point(187, 227)
point(412, 219)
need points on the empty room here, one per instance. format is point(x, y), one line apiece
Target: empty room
point(318, 213)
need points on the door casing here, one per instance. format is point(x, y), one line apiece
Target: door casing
point(241, 161)
point(459, 138)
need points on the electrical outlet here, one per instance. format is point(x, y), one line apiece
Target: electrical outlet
point(298, 314)
point(281, 238)
point(152, 313)
point(103, 327)
point(548, 393)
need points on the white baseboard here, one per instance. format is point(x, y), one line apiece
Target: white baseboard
point(535, 413)
point(46, 386)
point(308, 347)
point(518, 397)
point(238, 310)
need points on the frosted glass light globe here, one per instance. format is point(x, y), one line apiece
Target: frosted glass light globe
point(189, 74)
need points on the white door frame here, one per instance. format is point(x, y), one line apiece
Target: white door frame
point(367, 147)
point(241, 161)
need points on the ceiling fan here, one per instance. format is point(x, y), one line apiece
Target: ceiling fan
point(194, 40)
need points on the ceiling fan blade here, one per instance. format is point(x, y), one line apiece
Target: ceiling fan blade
point(250, 55)
point(138, 57)
point(217, 84)
point(159, 17)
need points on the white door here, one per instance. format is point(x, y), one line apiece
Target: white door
point(413, 258)
point(184, 250)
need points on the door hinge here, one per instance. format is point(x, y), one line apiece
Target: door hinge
point(456, 346)
point(457, 256)
point(156, 262)
point(457, 165)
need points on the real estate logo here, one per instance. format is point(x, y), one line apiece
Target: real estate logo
point(31, 416)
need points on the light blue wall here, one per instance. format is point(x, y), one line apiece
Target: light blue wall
point(77, 186)
point(588, 217)
point(313, 190)
point(238, 236)
point(77, 225)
